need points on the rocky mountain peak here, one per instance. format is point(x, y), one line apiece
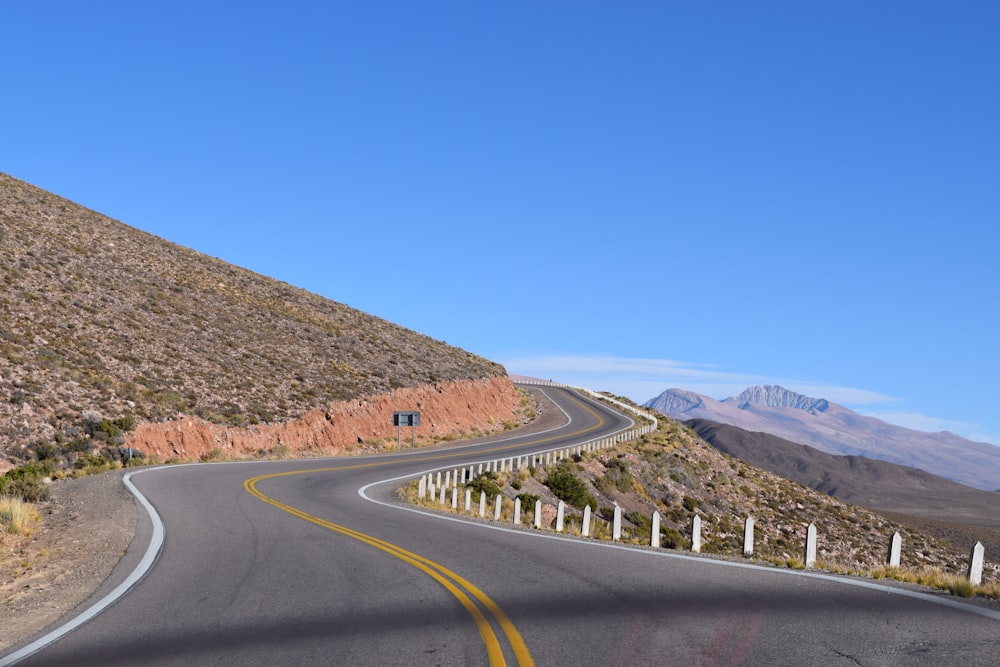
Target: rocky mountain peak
point(773, 396)
point(677, 401)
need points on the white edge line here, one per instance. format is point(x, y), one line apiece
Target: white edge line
point(925, 597)
point(156, 543)
point(152, 551)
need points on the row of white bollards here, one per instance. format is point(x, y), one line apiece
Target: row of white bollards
point(976, 559)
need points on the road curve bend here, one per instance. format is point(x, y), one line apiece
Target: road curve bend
point(316, 563)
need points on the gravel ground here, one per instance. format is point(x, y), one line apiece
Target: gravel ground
point(85, 530)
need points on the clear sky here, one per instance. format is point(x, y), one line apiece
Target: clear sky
point(631, 196)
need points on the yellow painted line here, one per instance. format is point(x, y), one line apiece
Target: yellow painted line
point(439, 573)
point(436, 571)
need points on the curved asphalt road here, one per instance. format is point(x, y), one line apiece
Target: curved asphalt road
point(313, 563)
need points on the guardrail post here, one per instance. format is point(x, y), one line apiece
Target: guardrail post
point(517, 511)
point(696, 534)
point(748, 536)
point(454, 497)
point(538, 514)
point(976, 564)
point(585, 528)
point(654, 532)
point(811, 546)
point(560, 516)
point(422, 487)
point(442, 495)
point(616, 527)
point(468, 499)
point(895, 549)
point(482, 503)
point(496, 510)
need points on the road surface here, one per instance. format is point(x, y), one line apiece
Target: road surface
point(316, 563)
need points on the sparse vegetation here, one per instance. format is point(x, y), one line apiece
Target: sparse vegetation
point(569, 488)
point(103, 319)
point(674, 472)
point(17, 516)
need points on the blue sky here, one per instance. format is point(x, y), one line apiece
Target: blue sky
point(631, 196)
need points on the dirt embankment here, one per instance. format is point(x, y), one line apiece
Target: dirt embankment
point(446, 409)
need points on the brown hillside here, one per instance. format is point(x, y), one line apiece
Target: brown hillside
point(100, 321)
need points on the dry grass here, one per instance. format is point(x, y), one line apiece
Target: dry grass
point(18, 517)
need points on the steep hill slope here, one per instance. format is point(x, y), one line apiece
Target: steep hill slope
point(101, 323)
point(868, 482)
point(835, 429)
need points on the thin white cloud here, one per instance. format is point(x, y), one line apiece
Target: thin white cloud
point(642, 379)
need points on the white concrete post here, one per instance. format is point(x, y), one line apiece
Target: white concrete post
point(482, 503)
point(454, 497)
point(517, 511)
point(560, 516)
point(538, 514)
point(616, 527)
point(480, 468)
point(462, 477)
point(496, 510)
point(976, 564)
point(548, 458)
point(442, 495)
point(438, 484)
point(748, 536)
point(447, 479)
point(654, 532)
point(585, 528)
point(696, 534)
point(468, 498)
point(811, 546)
point(422, 487)
point(895, 548)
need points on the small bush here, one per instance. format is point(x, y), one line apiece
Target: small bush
point(484, 484)
point(528, 500)
point(617, 477)
point(570, 488)
point(26, 482)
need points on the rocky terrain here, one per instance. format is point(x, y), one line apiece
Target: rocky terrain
point(104, 328)
point(677, 474)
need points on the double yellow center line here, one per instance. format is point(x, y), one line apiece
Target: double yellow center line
point(462, 589)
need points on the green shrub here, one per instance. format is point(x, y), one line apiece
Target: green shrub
point(617, 477)
point(639, 519)
point(26, 482)
point(484, 484)
point(528, 500)
point(570, 488)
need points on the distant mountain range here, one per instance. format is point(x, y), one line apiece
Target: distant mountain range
point(878, 485)
point(834, 429)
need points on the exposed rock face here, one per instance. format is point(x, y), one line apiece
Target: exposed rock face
point(773, 396)
point(446, 408)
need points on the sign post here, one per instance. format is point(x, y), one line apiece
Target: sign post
point(411, 419)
